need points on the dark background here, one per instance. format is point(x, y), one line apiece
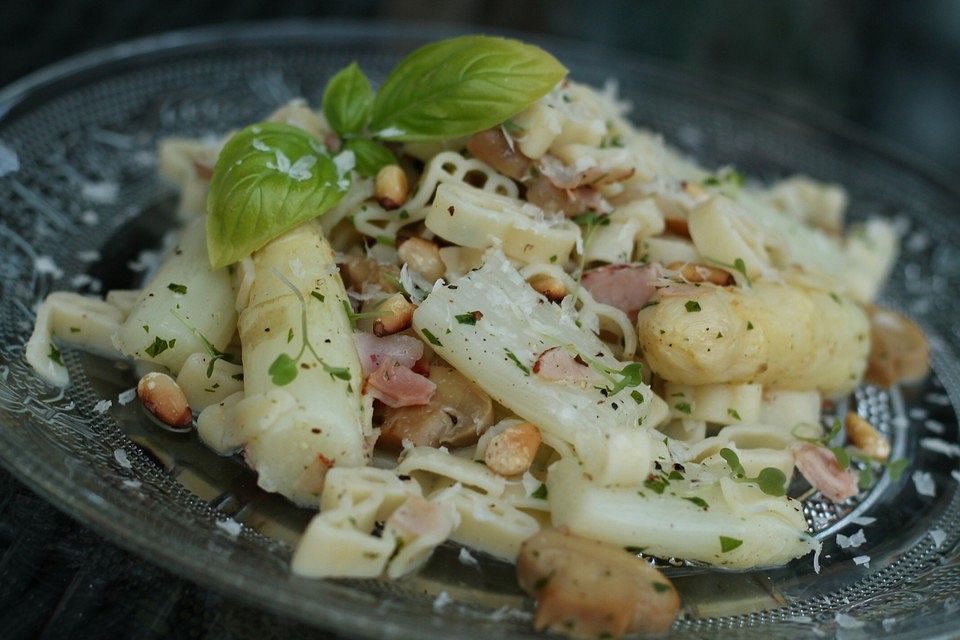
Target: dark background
point(892, 67)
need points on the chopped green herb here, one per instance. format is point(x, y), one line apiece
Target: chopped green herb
point(683, 407)
point(146, 328)
point(749, 326)
point(432, 339)
point(283, 370)
point(675, 475)
point(700, 502)
point(513, 357)
point(897, 467)
point(404, 214)
point(692, 306)
point(652, 303)
point(637, 396)
point(387, 241)
point(542, 582)
point(55, 355)
point(843, 458)
point(159, 346)
point(74, 329)
point(540, 493)
point(290, 335)
point(238, 377)
point(657, 485)
point(634, 550)
point(660, 587)
point(177, 288)
point(734, 414)
point(553, 259)
point(836, 298)
point(469, 318)
point(319, 296)
point(591, 222)
point(772, 482)
point(512, 127)
point(214, 352)
point(729, 544)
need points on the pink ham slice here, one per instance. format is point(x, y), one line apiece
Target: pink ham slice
point(397, 386)
point(625, 286)
point(399, 348)
point(820, 468)
point(556, 363)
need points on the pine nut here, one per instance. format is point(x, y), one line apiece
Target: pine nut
point(864, 436)
point(390, 187)
point(423, 257)
point(512, 451)
point(395, 315)
point(552, 288)
point(164, 398)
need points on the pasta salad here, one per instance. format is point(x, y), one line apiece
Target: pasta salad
point(480, 305)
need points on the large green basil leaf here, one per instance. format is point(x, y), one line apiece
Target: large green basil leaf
point(459, 86)
point(371, 156)
point(347, 100)
point(269, 178)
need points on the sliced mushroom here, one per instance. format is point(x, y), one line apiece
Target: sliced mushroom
point(898, 349)
point(492, 147)
point(457, 415)
point(590, 589)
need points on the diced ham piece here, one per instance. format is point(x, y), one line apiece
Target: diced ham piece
point(397, 386)
point(625, 286)
point(556, 363)
point(820, 468)
point(374, 351)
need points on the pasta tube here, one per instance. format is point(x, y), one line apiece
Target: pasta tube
point(475, 218)
point(777, 335)
point(296, 429)
point(184, 303)
point(741, 528)
point(499, 351)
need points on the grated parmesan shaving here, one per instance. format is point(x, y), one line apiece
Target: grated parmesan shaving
point(102, 406)
point(122, 459)
point(846, 621)
point(888, 624)
point(132, 484)
point(924, 483)
point(46, 264)
point(100, 192)
point(89, 218)
point(941, 446)
point(935, 426)
point(467, 558)
point(442, 600)
point(863, 521)
point(9, 161)
point(862, 560)
point(231, 526)
point(126, 397)
point(938, 536)
point(851, 542)
point(956, 474)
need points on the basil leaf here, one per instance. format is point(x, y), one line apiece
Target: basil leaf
point(370, 156)
point(347, 100)
point(459, 86)
point(270, 177)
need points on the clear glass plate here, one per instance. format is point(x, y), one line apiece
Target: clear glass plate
point(84, 133)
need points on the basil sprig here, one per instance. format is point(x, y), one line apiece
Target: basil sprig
point(459, 86)
point(269, 178)
point(347, 100)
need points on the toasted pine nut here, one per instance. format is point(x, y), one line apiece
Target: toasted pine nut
point(552, 288)
point(693, 189)
point(511, 451)
point(164, 398)
point(865, 437)
point(423, 257)
point(395, 315)
point(701, 273)
point(390, 187)
point(677, 226)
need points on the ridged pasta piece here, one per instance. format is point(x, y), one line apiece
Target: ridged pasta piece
point(292, 433)
point(445, 167)
point(205, 385)
point(79, 321)
point(777, 335)
point(437, 462)
point(610, 433)
point(762, 530)
point(184, 303)
point(716, 403)
point(472, 217)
